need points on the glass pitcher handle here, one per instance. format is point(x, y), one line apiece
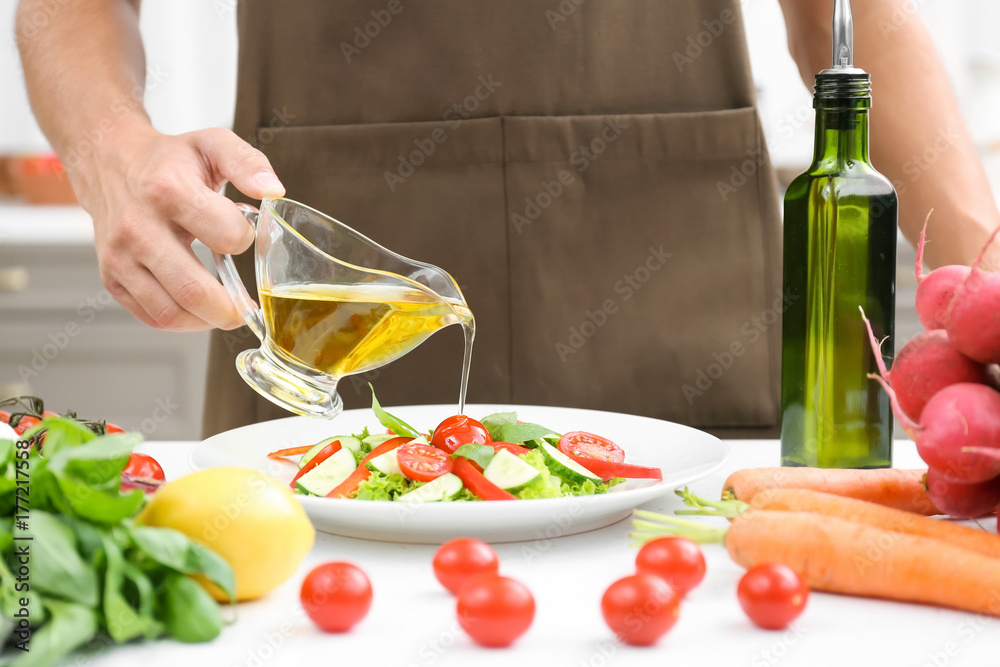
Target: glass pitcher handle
point(251, 313)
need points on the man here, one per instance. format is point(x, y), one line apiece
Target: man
point(572, 164)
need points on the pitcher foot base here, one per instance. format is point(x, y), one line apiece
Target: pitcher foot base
point(289, 391)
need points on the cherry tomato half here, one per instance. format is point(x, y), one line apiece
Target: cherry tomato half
point(772, 595)
point(459, 560)
point(423, 462)
point(336, 596)
point(459, 430)
point(495, 610)
point(112, 428)
point(142, 466)
point(676, 560)
point(516, 450)
point(588, 445)
point(640, 608)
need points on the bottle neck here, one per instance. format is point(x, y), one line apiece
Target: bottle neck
point(842, 99)
point(841, 135)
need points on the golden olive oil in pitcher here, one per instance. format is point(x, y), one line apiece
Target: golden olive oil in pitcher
point(345, 329)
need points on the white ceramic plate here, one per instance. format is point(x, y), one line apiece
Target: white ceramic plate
point(684, 454)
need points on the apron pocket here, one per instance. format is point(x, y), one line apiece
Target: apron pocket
point(644, 265)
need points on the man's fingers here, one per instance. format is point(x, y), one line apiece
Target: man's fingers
point(239, 163)
point(122, 296)
point(214, 220)
point(191, 287)
point(163, 312)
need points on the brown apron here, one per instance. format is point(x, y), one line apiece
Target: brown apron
point(592, 174)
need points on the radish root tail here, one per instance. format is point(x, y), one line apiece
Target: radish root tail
point(876, 345)
point(919, 264)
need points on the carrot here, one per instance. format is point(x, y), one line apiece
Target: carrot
point(860, 511)
point(902, 489)
point(291, 451)
point(840, 556)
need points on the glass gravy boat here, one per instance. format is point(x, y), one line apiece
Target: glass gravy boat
point(333, 303)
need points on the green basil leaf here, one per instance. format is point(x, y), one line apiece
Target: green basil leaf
point(518, 433)
point(177, 551)
point(145, 593)
point(56, 567)
point(99, 461)
point(481, 454)
point(495, 421)
point(394, 424)
point(70, 626)
point(121, 619)
point(98, 505)
point(6, 453)
point(61, 433)
point(189, 613)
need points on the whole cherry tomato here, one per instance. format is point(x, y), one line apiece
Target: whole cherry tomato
point(772, 595)
point(459, 430)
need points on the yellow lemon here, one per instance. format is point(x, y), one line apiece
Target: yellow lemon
point(249, 519)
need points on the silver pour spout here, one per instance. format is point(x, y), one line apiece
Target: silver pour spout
point(843, 35)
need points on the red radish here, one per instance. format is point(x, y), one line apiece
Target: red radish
point(925, 366)
point(962, 501)
point(936, 289)
point(959, 417)
point(973, 319)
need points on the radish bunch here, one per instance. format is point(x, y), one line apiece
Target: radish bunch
point(944, 384)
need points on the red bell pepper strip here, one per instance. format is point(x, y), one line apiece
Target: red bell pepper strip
point(609, 469)
point(479, 485)
point(321, 455)
point(362, 473)
point(291, 451)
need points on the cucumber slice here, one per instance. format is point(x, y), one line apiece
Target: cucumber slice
point(565, 467)
point(445, 487)
point(386, 463)
point(509, 472)
point(329, 474)
point(377, 439)
point(346, 441)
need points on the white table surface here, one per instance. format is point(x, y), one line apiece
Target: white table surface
point(412, 619)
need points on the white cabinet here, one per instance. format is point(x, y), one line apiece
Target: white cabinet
point(62, 337)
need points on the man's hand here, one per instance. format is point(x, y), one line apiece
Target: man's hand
point(150, 196)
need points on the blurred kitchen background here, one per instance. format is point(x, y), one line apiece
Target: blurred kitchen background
point(63, 338)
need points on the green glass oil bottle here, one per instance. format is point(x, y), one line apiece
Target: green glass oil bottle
point(839, 253)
